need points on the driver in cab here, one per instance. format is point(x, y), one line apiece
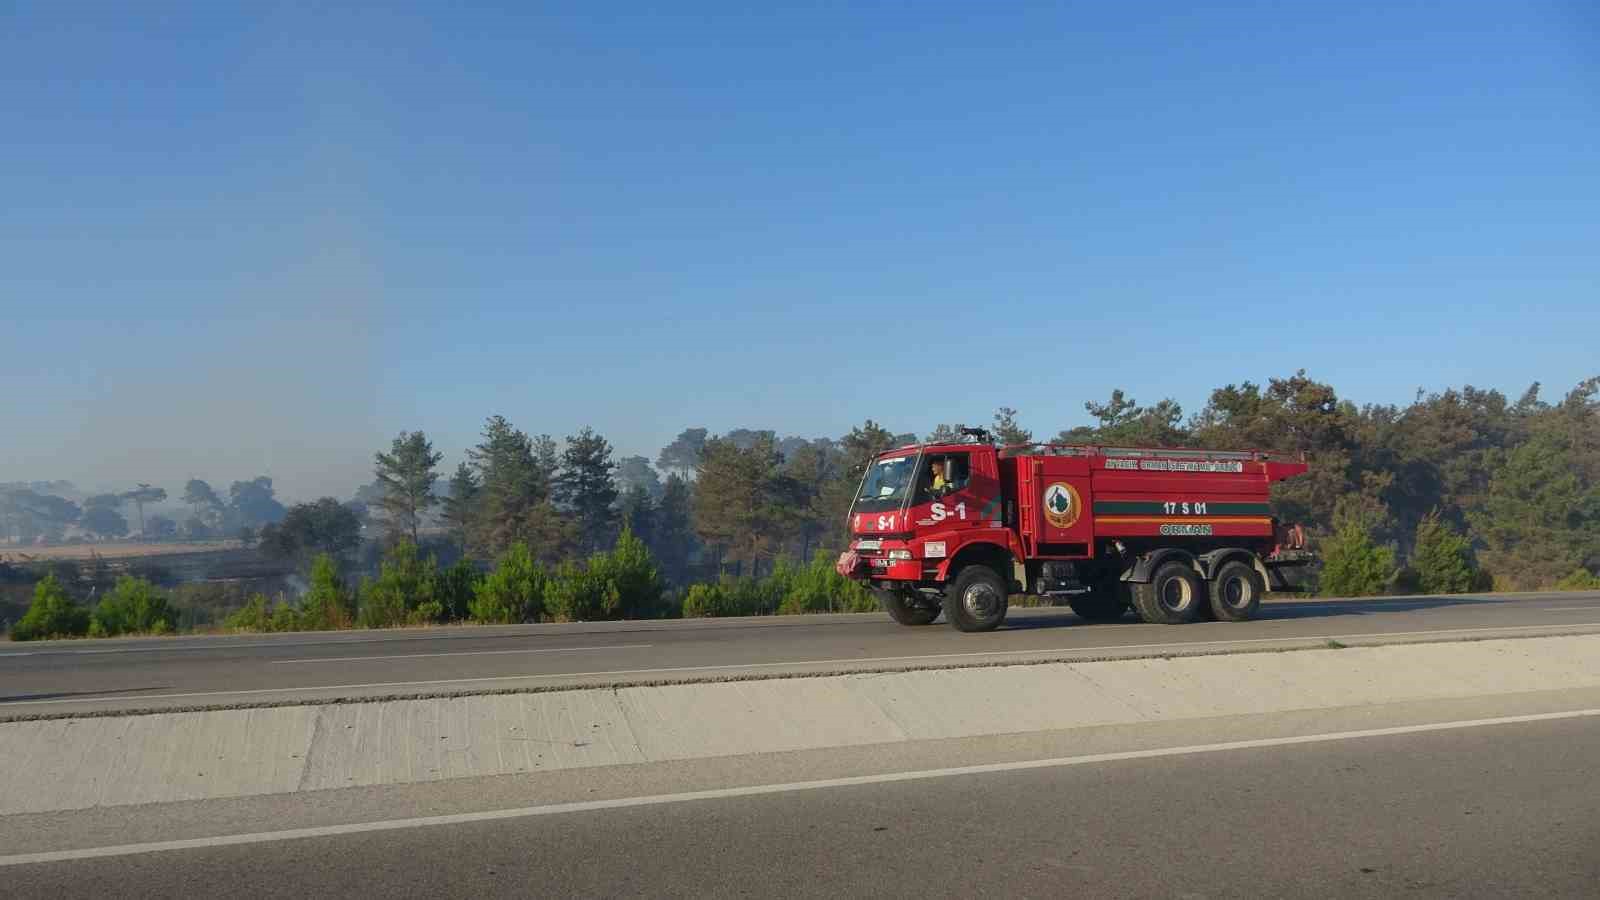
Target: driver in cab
point(938, 484)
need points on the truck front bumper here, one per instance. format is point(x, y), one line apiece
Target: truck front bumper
point(878, 568)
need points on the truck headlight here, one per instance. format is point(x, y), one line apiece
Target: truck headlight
point(899, 554)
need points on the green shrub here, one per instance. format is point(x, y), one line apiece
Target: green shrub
point(730, 596)
point(621, 584)
point(328, 602)
point(704, 600)
point(132, 606)
point(853, 596)
point(455, 588)
point(252, 616)
point(760, 596)
point(1442, 558)
point(818, 588)
point(790, 589)
point(513, 592)
point(630, 574)
point(404, 592)
point(204, 603)
point(284, 618)
point(1353, 566)
point(777, 586)
point(1579, 580)
point(51, 615)
point(261, 614)
point(801, 592)
point(581, 592)
point(327, 605)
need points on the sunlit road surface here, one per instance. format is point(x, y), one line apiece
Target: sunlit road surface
point(77, 677)
point(1460, 808)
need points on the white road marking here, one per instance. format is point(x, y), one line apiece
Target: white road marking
point(1315, 639)
point(595, 648)
point(1374, 607)
point(1569, 609)
point(556, 809)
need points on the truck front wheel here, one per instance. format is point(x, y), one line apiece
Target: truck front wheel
point(1236, 592)
point(977, 600)
point(903, 609)
point(1173, 595)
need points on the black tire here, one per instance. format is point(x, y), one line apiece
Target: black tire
point(1236, 592)
point(1105, 602)
point(1174, 595)
point(977, 600)
point(902, 609)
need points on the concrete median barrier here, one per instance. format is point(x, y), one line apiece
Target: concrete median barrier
point(64, 764)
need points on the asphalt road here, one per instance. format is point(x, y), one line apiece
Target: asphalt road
point(81, 676)
point(1490, 810)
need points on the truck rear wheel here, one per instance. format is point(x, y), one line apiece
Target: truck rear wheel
point(904, 610)
point(977, 600)
point(1236, 592)
point(1173, 596)
point(1104, 602)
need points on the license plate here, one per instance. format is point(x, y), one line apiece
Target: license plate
point(869, 545)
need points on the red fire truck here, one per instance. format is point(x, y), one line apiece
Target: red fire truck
point(1176, 535)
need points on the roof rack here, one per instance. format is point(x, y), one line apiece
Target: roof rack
point(1154, 452)
point(1054, 449)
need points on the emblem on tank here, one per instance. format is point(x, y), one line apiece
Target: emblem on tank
point(1062, 505)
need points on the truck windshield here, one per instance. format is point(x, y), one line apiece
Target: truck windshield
point(887, 483)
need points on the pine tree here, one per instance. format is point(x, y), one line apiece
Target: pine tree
point(204, 502)
point(512, 482)
point(682, 456)
point(1442, 558)
point(588, 490)
point(1006, 429)
point(461, 506)
point(674, 539)
point(1540, 519)
point(813, 466)
point(546, 463)
point(744, 501)
point(406, 474)
point(860, 446)
point(549, 533)
point(637, 513)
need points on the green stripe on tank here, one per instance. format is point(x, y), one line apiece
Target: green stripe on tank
point(1127, 508)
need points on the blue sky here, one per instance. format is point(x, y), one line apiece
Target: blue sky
point(266, 238)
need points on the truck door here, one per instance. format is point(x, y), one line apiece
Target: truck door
point(956, 491)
